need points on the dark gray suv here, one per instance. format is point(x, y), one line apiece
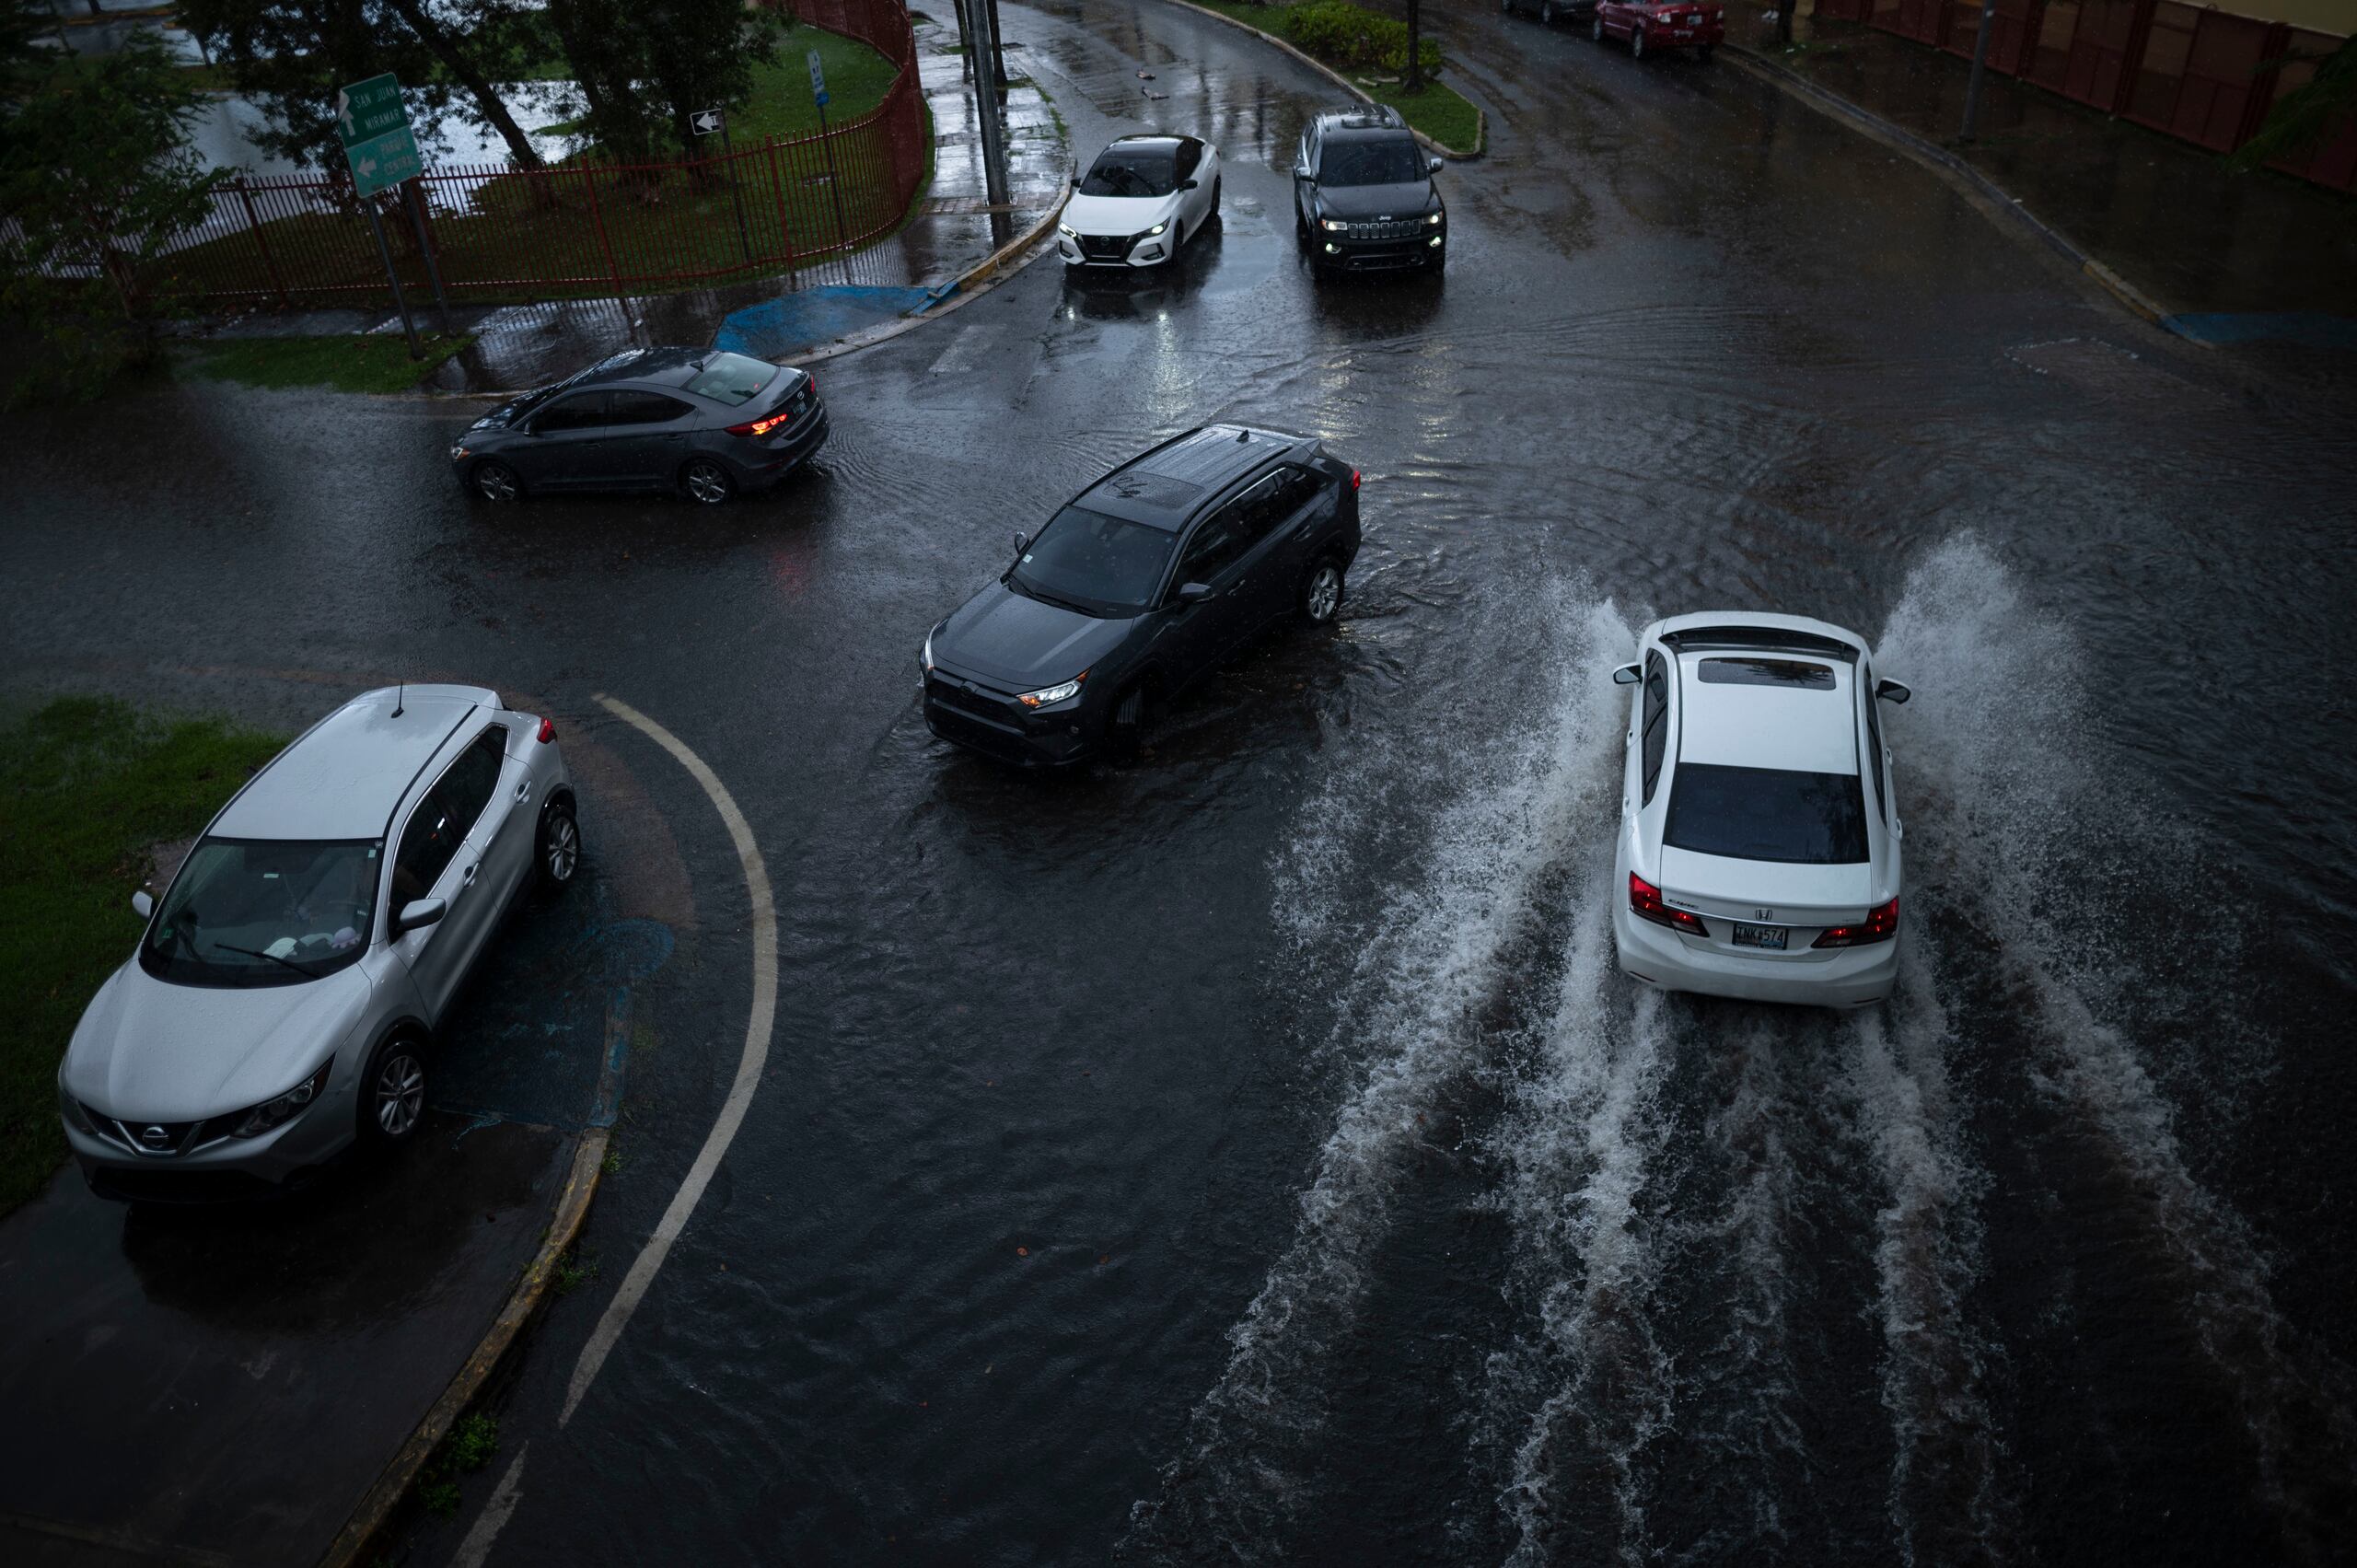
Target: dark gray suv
point(1145, 582)
point(1363, 199)
point(703, 422)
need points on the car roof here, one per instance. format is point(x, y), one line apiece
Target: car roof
point(1802, 728)
point(653, 367)
point(1755, 629)
point(1362, 117)
point(346, 776)
point(1164, 488)
point(1146, 141)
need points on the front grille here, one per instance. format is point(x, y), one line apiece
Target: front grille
point(952, 724)
point(951, 693)
point(1398, 228)
point(179, 1136)
point(1101, 248)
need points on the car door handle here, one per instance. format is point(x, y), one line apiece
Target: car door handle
point(467, 877)
point(524, 790)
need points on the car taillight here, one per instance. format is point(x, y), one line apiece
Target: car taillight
point(1880, 925)
point(1354, 479)
point(761, 426)
point(548, 731)
point(1645, 902)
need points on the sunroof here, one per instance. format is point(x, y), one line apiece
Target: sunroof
point(1146, 488)
point(1792, 674)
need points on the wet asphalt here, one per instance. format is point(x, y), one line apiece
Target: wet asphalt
point(1248, 1153)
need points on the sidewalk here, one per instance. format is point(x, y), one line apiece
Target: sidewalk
point(953, 231)
point(2227, 257)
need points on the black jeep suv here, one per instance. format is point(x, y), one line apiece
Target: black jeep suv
point(1145, 582)
point(1364, 196)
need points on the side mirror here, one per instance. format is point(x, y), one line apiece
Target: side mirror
point(1187, 185)
point(417, 914)
point(1301, 171)
point(1022, 541)
point(1627, 675)
point(1432, 165)
point(1892, 691)
point(1190, 595)
point(142, 905)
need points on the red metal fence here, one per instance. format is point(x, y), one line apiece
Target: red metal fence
point(2193, 70)
point(580, 228)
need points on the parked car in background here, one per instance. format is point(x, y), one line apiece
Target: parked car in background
point(1758, 853)
point(704, 423)
point(1148, 580)
point(1550, 11)
point(1139, 203)
point(1364, 198)
point(1651, 25)
point(284, 1002)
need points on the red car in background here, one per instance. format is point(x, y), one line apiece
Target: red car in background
point(1652, 25)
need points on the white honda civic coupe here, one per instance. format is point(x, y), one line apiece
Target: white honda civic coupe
point(1143, 199)
point(1759, 838)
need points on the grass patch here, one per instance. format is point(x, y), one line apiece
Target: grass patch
point(574, 1269)
point(87, 784)
point(471, 1444)
point(1440, 112)
point(779, 104)
point(376, 362)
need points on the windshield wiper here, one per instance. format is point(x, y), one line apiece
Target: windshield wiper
point(1027, 591)
point(273, 958)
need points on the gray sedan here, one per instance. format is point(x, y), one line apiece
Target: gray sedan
point(704, 423)
point(284, 1002)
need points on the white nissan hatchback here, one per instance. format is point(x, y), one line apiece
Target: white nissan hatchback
point(1759, 846)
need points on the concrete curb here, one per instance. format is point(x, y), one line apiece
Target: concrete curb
point(375, 1507)
point(1957, 171)
point(1481, 116)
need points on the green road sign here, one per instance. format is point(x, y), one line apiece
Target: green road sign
point(366, 110)
point(385, 161)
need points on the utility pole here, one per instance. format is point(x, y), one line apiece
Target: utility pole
point(1980, 65)
point(998, 47)
point(981, 45)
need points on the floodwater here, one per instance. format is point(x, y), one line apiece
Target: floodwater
point(1253, 1154)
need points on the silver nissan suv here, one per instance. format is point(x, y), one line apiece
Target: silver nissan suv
point(284, 1002)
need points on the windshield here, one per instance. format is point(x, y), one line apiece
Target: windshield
point(1128, 171)
point(263, 911)
point(1095, 562)
point(1767, 814)
point(1389, 161)
point(731, 379)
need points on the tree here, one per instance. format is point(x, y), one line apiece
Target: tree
point(646, 65)
point(97, 175)
point(2309, 112)
point(290, 57)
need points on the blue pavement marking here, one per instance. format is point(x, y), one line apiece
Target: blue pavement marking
point(813, 316)
point(2314, 327)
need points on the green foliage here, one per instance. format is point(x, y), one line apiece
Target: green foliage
point(644, 66)
point(96, 175)
point(1347, 35)
point(471, 1443)
point(376, 362)
point(2310, 111)
point(86, 785)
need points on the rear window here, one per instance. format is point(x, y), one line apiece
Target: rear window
point(1796, 674)
point(731, 379)
point(1767, 814)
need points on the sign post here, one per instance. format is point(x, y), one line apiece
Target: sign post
point(703, 122)
point(377, 144)
point(818, 96)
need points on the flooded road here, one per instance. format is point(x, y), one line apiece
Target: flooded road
point(1253, 1154)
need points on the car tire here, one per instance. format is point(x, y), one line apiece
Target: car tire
point(1300, 230)
point(1132, 712)
point(1214, 215)
point(392, 1092)
point(1178, 243)
point(707, 483)
point(1321, 591)
point(1636, 43)
point(556, 852)
point(495, 483)
point(1596, 27)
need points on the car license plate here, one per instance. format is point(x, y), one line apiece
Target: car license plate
point(1770, 938)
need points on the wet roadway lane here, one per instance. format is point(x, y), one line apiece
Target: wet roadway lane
point(1247, 1155)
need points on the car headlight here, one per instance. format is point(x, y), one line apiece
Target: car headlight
point(272, 1113)
point(927, 655)
point(1334, 225)
point(1068, 231)
point(1157, 229)
point(70, 1108)
point(457, 453)
point(1434, 219)
point(1056, 693)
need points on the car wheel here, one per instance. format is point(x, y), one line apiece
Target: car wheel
point(1636, 43)
point(1596, 27)
point(1300, 230)
point(1133, 711)
point(495, 483)
point(392, 1092)
point(1215, 180)
point(559, 852)
point(707, 483)
point(1322, 592)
